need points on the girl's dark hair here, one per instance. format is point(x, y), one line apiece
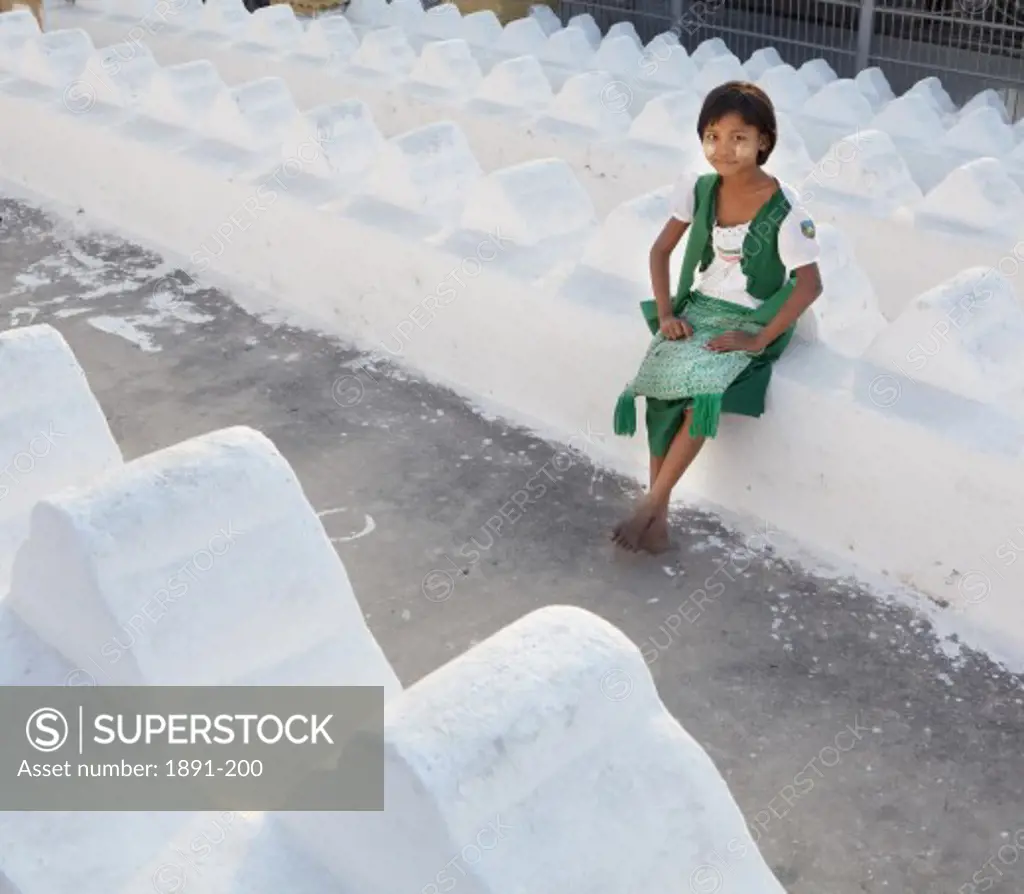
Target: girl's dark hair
point(748, 101)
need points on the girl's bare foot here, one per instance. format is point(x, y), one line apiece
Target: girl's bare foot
point(655, 539)
point(630, 533)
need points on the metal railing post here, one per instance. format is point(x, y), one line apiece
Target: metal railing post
point(865, 31)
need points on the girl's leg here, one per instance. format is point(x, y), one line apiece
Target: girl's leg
point(653, 510)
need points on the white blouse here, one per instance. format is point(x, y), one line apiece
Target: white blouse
point(798, 245)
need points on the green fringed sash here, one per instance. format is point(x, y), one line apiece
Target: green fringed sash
point(686, 369)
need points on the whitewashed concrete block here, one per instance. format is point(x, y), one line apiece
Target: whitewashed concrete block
point(274, 27)
point(330, 38)
point(200, 564)
point(624, 29)
point(962, 336)
point(339, 141)
point(530, 203)
point(521, 37)
point(910, 117)
point(442, 22)
point(867, 171)
point(719, 70)
point(622, 246)
point(986, 99)
point(619, 54)
point(667, 64)
point(252, 116)
point(761, 61)
point(594, 100)
point(978, 197)
point(121, 74)
point(182, 95)
point(229, 18)
point(16, 27)
point(588, 25)
point(786, 89)
point(53, 433)
point(980, 132)
point(482, 28)
point(708, 50)
point(841, 104)
point(55, 59)
point(817, 73)
point(518, 83)
point(546, 18)
point(407, 15)
point(932, 87)
point(428, 170)
point(448, 66)
point(554, 715)
point(569, 48)
point(386, 51)
point(369, 13)
point(668, 120)
point(875, 87)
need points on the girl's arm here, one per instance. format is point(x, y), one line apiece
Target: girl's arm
point(661, 253)
point(806, 291)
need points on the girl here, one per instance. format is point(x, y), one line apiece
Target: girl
point(749, 270)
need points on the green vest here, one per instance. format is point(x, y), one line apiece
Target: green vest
point(760, 261)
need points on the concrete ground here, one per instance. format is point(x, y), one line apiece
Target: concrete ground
point(864, 759)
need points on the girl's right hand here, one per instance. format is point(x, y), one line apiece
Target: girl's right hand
point(674, 328)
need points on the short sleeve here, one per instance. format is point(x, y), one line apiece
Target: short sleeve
point(681, 198)
point(798, 239)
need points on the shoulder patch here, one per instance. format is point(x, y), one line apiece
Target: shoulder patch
point(807, 228)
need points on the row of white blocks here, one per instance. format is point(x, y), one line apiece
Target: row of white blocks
point(451, 53)
point(205, 564)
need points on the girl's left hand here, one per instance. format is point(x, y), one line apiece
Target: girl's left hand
point(736, 341)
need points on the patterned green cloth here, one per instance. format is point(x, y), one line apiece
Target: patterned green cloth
point(686, 369)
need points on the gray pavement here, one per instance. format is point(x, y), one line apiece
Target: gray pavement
point(864, 759)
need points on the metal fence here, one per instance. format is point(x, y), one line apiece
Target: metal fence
point(969, 45)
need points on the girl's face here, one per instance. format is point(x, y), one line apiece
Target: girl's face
point(731, 145)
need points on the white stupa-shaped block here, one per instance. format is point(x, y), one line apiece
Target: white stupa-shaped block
point(875, 87)
point(596, 100)
point(619, 54)
point(667, 64)
point(963, 336)
point(761, 61)
point(330, 38)
point(624, 29)
point(719, 70)
point(55, 59)
point(253, 115)
point(370, 13)
point(386, 51)
point(979, 196)
point(275, 27)
point(339, 141)
point(987, 98)
point(182, 95)
point(448, 65)
point(517, 83)
point(569, 48)
point(408, 15)
point(840, 103)
point(482, 28)
point(981, 132)
point(428, 170)
point(53, 432)
point(442, 22)
point(911, 117)
point(120, 74)
point(546, 18)
point(784, 86)
point(669, 120)
point(522, 37)
point(530, 203)
point(708, 50)
point(16, 27)
point(932, 87)
point(588, 25)
point(226, 17)
point(817, 73)
point(554, 716)
point(622, 246)
point(200, 564)
point(867, 167)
